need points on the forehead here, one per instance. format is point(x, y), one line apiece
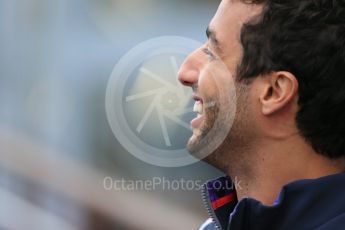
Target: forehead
point(230, 17)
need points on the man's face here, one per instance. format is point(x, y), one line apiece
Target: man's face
point(210, 71)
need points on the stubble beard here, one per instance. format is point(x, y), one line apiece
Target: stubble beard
point(200, 138)
point(231, 141)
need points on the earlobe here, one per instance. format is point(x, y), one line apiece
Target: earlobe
point(280, 88)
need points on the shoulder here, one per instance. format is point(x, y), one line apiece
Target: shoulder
point(335, 223)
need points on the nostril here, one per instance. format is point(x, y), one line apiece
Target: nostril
point(182, 78)
point(186, 83)
point(188, 77)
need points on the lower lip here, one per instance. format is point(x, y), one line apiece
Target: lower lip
point(196, 122)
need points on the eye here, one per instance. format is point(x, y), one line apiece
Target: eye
point(209, 54)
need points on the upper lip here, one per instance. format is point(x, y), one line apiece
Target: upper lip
point(197, 98)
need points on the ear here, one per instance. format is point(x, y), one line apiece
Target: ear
point(279, 89)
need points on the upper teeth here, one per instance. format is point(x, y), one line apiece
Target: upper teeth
point(198, 107)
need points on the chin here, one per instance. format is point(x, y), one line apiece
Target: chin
point(199, 143)
point(196, 145)
point(199, 148)
point(194, 142)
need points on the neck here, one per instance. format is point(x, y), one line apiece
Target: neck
point(273, 164)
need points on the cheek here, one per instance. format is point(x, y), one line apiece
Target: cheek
point(216, 81)
point(207, 85)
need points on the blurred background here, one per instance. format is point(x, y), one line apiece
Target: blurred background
point(56, 146)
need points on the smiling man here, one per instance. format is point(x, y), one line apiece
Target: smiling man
point(286, 145)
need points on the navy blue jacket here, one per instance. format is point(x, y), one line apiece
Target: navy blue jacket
point(304, 204)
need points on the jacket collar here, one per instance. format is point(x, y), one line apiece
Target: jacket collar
point(220, 199)
point(308, 197)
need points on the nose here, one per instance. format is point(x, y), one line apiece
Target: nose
point(189, 72)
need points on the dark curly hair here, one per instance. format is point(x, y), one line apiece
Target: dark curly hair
point(306, 38)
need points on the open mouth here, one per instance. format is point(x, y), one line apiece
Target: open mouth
point(199, 109)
